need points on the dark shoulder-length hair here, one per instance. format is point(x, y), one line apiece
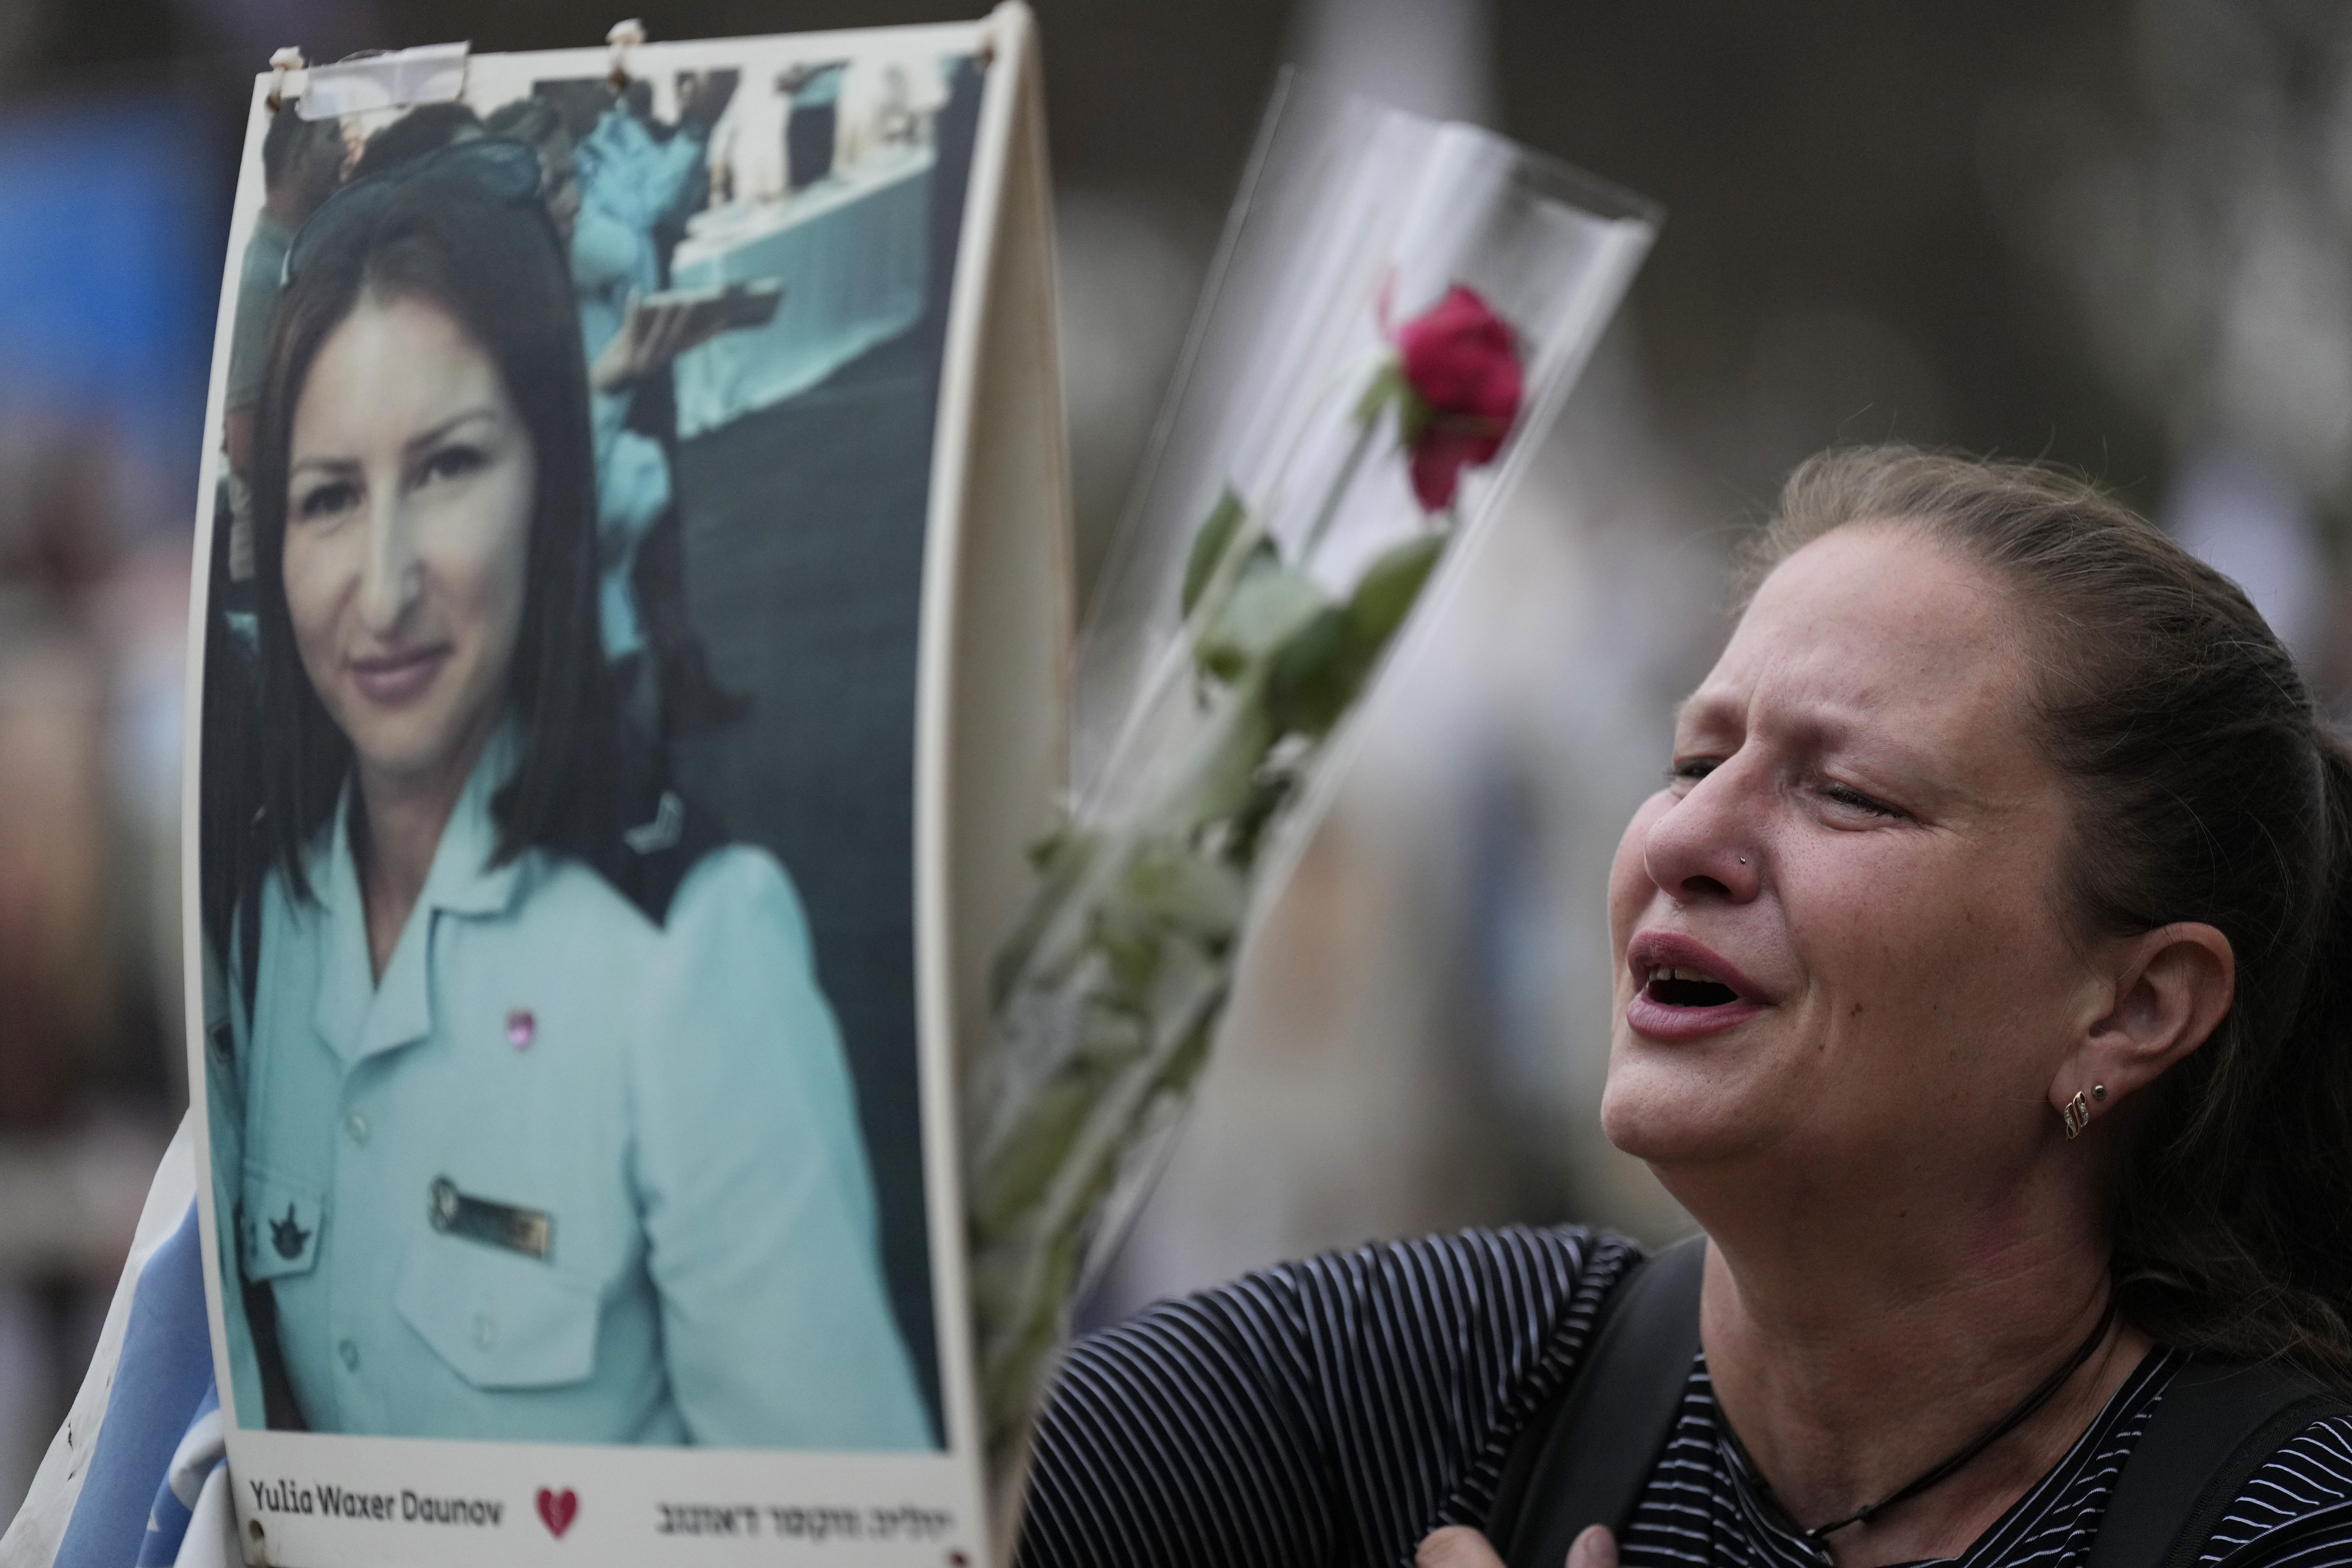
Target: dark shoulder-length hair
point(2208, 787)
point(496, 268)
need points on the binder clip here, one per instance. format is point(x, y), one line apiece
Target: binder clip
point(624, 36)
point(284, 64)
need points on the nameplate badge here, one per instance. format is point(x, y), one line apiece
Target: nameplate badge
point(530, 1232)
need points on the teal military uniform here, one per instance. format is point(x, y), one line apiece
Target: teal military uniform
point(563, 1174)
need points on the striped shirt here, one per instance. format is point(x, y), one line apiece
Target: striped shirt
point(1336, 1410)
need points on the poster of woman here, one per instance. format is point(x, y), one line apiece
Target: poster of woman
point(571, 502)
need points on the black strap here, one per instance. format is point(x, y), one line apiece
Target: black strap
point(1584, 1457)
point(1586, 1454)
point(2214, 1427)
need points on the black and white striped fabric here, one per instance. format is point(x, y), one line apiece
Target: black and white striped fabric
point(1336, 1410)
point(1704, 1505)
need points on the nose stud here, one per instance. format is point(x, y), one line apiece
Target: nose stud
point(1743, 859)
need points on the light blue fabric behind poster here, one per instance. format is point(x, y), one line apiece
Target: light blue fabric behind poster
point(163, 1384)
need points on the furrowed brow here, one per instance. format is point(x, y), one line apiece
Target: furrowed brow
point(1700, 707)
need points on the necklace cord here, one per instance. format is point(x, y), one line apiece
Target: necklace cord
point(1945, 1469)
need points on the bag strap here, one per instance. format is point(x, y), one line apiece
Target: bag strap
point(1527, 1446)
point(2214, 1427)
point(1586, 1454)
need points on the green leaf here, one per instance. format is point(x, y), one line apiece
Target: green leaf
point(1224, 661)
point(1317, 675)
point(1389, 588)
point(1034, 1152)
point(1013, 1376)
point(1063, 847)
point(1230, 751)
point(1129, 948)
point(1387, 382)
point(1314, 677)
point(1183, 1067)
point(1178, 887)
point(1268, 793)
point(1061, 860)
point(1209, 546)
point(1414, 416)
point(1266, 606)
point(1112, 1036)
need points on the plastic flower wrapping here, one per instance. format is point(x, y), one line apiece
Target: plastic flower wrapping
point(1397, 311)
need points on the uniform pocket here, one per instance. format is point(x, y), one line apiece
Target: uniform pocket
point(279, 1223)
point(500, 1319)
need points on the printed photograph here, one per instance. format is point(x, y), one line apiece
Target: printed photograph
point(558, 754)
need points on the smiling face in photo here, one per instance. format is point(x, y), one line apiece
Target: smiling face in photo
point(411, 479)
point(1839, 923)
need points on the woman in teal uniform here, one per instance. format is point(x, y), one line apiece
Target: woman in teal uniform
point(546, 1132)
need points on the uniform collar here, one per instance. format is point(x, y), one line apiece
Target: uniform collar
point(398, 1010)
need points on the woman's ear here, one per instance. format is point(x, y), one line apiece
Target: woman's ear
point(2171, 987)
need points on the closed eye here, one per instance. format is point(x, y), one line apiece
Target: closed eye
point(1847, 795)
point(1690, 770)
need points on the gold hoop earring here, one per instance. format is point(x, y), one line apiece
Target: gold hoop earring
point(2077, 1115)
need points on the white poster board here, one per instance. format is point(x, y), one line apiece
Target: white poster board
point(632, 652)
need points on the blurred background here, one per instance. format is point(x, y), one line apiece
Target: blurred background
point(2113, 233)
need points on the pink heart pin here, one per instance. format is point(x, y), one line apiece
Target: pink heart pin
point(521, 1029)
point(558, 1509)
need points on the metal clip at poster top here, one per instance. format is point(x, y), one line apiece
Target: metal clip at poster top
point(622, 38)
point(390, 79)
point(286, 68)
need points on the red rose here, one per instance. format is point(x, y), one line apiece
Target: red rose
point(1463, 365)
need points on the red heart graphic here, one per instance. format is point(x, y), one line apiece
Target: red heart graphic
point(558, 1509)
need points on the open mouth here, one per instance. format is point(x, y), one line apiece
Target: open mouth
point(1686, 991)
point(1672, 988)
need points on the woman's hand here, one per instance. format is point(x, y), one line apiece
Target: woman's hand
point(1459, 1546)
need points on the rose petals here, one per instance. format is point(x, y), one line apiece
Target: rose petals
point(1463, 362)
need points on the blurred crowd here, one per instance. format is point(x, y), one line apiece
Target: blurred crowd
point(102, 299)
point(2117, 233)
